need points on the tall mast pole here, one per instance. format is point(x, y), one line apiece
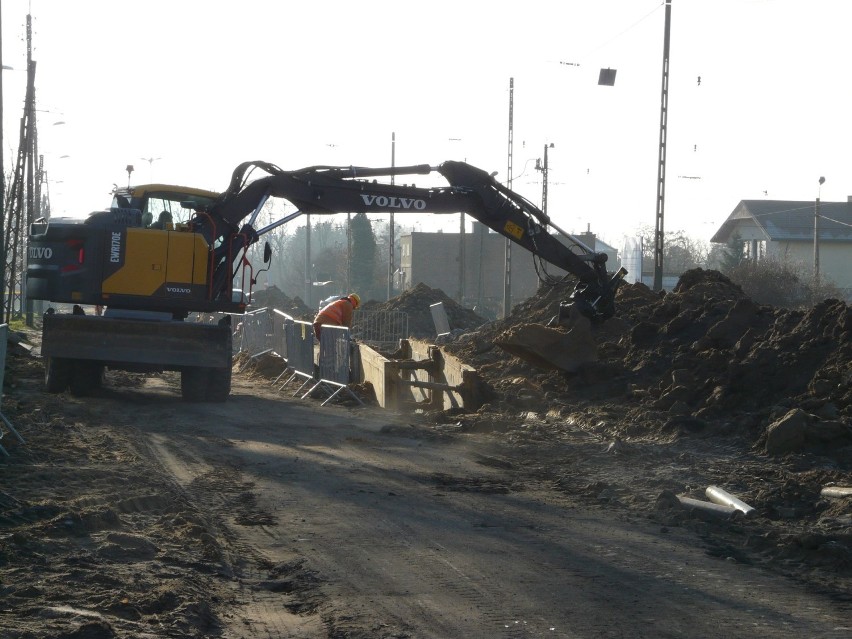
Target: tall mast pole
point(390, 226)
point(661, 169)
point(2, 185)
point(507, 271)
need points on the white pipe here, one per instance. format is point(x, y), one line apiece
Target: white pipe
point(708, 507)
point(836, 491)
point(719, 496)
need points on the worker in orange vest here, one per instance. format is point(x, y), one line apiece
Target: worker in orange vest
point(337, 313)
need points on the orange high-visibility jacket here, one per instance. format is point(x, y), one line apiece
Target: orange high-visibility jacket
point(337, 313)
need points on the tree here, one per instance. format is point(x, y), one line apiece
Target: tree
point(732, 255)
point(365, 262)
point(680, 252)
point(781, 282)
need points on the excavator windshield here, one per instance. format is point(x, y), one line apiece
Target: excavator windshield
point(155, 199)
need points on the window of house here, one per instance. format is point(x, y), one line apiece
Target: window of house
point(754, 249)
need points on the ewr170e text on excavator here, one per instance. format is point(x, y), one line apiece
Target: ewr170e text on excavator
point(150, 277)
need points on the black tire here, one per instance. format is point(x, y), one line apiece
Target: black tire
point(193, 383)
point(57, 374)
point(86, 377)
point(218, 384)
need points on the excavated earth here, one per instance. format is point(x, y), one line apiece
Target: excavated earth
point(751, 398)
point(694, 388)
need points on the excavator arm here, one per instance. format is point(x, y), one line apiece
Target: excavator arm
point(326, 190)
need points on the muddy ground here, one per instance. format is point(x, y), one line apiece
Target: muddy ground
point(695, 388)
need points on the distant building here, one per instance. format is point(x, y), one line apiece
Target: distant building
point(784, 230)
point(434, 259)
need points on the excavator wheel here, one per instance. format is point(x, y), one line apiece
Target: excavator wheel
point(218, 384)
point(86, 376)
point(193, 383)
point(57, 374)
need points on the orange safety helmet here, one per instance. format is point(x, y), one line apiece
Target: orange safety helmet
point(355, 299)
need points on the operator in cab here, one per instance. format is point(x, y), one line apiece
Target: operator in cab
point(337, 313)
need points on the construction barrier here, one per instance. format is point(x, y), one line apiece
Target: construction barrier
point(381, 330)
point(334, 364)
point(328, 369)
point(279, 327)
point(4, 340)
point(299, 340)
point(254, 332)
point(280, 323)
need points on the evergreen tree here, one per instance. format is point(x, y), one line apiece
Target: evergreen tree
point(732, 255)
point(364, 258)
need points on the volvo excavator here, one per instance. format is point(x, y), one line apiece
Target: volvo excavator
point(150, 278)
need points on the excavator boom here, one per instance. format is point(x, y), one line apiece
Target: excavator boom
point(323, 190)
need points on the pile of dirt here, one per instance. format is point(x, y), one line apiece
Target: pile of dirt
point(273, 297)
point(702, 353)
point(416, 302)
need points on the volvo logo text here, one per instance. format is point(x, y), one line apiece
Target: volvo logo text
point(40, 252)
point(178, 289)
point(393, 202)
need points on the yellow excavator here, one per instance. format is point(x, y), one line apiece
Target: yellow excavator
point(150, 276)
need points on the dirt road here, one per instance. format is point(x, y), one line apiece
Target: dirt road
point(134, 514)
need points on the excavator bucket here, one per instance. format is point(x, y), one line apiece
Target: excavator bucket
point(566, 347)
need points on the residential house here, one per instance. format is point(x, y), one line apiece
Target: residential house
point(785, 231)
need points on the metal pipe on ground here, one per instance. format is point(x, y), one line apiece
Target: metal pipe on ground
point(720, 496)
point(706, 507)
point(836, 491)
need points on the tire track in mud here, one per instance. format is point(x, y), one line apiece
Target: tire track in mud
point(270, 599)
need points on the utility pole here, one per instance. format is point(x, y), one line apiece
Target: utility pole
point(507, 270)
point(390, 225)
point(543, 168)
point(308, 278)
point(661, 169)
point(816, 238)
point(461, 259)
point(32, 149)
point(2, 187)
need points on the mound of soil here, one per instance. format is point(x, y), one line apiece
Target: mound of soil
point(416, 302)
point(704, 351)
point(273, 297)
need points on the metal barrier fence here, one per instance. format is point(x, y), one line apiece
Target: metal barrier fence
point(334, 358)
point(279, 340)
point(380, 329)
point(255, 332)
point(270, 330)
point(299, 338)
point(4, 337)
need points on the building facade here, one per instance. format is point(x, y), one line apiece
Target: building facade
point(795, 232)
point(473, 273)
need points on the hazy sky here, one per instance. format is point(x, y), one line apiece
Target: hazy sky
point(200, 86)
